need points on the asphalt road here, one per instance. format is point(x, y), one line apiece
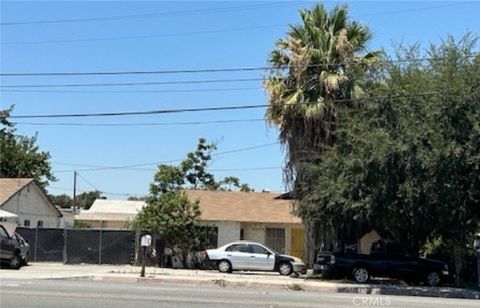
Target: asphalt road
point(63, 293)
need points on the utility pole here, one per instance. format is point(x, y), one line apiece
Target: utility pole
point(74, 190)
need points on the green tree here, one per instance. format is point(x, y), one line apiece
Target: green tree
point(322, 60)
point(86, 199)
point(175, 218)
point(408, 164)
point(20, 155)
point(136, 198)
point(170, 214)
point(195, 166)
point(245, 188)
point(63, 200)
point(231, 182)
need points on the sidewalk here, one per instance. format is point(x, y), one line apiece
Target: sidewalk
point(128, 273)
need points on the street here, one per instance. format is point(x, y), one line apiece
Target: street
point(68, 293)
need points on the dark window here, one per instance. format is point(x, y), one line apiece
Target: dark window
point(258, 249)
point(3, 233)
point(241, 234)
point(26, 223)
point(208, 236)
point(40, 223)
point(276, 239)
point(377, 248)
point(238, 248)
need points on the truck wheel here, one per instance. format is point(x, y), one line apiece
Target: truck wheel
point(224, 266)
point(433, 279)
point(361, 275)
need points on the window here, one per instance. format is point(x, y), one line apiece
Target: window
point(259, 249)
point(276, 239)
point(238, 248)
point(3, 233)
point(26, 223)
point(241, 235)
point(40, 223)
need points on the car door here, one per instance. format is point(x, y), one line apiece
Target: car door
point(400, 263)
point(6, 247)
point(261, 259)
point(238, 255)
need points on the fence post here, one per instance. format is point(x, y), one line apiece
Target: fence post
point(65, 257)
point(100, 247)
point(36, 245)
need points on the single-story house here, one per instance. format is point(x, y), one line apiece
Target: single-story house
point(26, 204)
point(262, 217)
point(110, 214)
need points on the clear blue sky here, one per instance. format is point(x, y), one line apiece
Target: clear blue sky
point(112, 146)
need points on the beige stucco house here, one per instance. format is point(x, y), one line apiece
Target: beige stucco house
point(261, 217)
point(110, 214)
point(28, 203)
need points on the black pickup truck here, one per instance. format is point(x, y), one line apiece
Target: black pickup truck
point(386, 259)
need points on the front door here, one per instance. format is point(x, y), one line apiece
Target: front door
point(297, 242)
point(261, 259)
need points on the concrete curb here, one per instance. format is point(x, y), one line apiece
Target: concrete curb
point(301, 285)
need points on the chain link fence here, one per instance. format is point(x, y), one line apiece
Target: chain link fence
point(75, 246)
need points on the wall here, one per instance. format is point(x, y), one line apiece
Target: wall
point(254, 232)
point(30, 204)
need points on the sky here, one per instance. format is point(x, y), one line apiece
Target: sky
point(180, 35)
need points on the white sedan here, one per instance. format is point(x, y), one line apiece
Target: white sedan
point(245, 255)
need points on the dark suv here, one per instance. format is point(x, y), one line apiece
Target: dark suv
point(10, 249)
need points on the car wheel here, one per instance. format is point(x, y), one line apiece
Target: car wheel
point(433, 279)
point(25, 261)
point(285, 269)
point(361, 275)
point(224, 266)
point(16, 262)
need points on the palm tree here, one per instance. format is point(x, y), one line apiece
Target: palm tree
point(319, 66)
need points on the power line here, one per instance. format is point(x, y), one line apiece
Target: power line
point(187, 33)
point(103, 192)
point(134, 37)
point(128, 113)
point(149, 15)
point(205, 70)
point(203, 109)
point(137, 91)
point(134, 166)
point(134, 83)
point(141, 124)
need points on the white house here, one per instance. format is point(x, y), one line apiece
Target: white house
point(110, 214)
point(24, 199)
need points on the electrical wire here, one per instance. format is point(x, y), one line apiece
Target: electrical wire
point(204, 109)
point(169, 161)
point(149, 15)
point(206, 70)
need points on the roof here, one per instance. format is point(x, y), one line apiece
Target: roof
point(5, 214)
point(261, 207)
point(111, 210)
point(10, 186)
